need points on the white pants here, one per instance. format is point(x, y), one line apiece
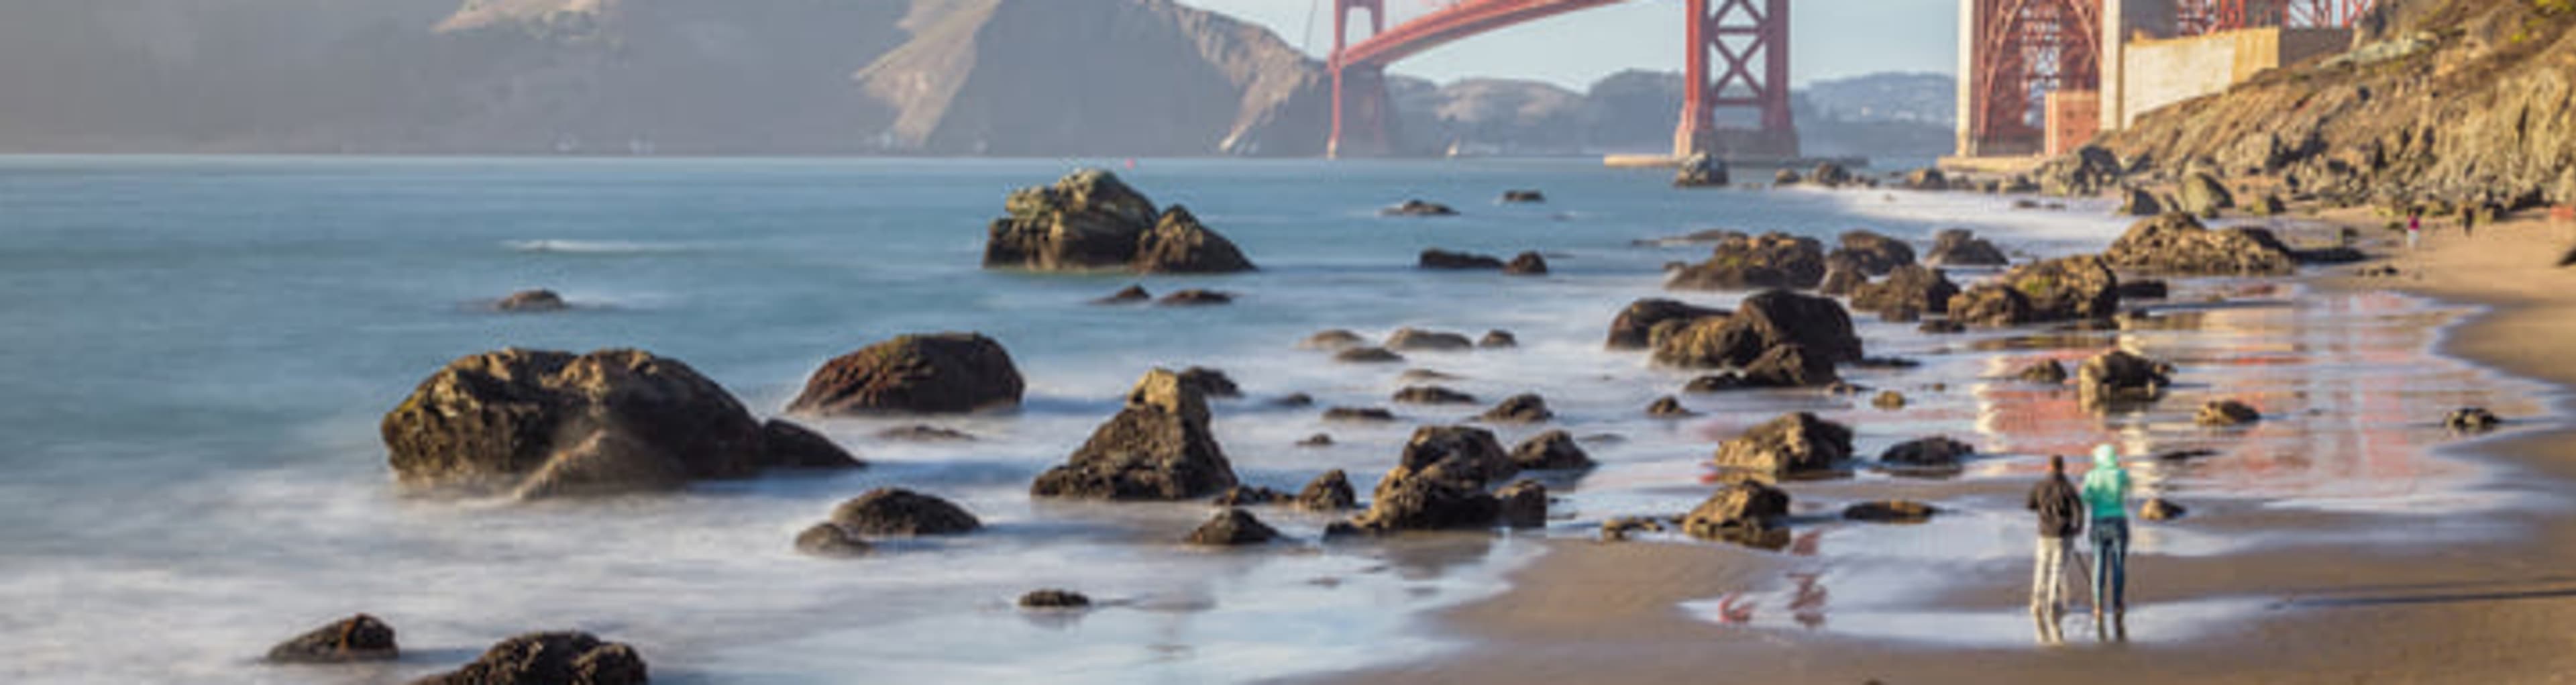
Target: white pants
point(2050, 583)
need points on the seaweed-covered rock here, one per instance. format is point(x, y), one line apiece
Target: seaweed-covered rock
point(1797, 442)
point(1091, 220)
point(1522, 408)
point(1158, 447)
point(2118, 376)
point(2064, 289)
point(1634, 328)
point(932, 374)
point(1875, 254)
point(1910, 287)
point(1743, 511)
point(1329, 492)
point(2226, 413)
point(899, 512)
point(556, 658)
point(1932, 452)
point(1232, 528)
point(543, 423)
point(356, 638)
point(1550, 451)
point(1764, 321)
point(1961, 247)
point(2177, 244)
point(1773, 260)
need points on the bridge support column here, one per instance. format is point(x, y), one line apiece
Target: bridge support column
point(1363, 117)
point(2016, 52)
point(1749, 40)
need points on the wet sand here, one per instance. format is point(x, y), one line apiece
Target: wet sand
point(2441, 602)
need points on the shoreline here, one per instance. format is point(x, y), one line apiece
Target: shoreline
point(2426, 609)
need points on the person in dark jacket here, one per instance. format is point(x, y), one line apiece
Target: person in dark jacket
point(2061, 518)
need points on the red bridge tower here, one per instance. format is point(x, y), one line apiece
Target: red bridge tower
point(1751, 39)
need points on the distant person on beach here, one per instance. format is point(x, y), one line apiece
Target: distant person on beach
point(2061, 518)
point(2106, 494)
point(2468, 219)
point(2414, 228)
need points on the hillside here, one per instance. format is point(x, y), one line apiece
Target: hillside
point(2448, 100)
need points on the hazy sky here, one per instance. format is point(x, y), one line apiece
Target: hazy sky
point(1829, 38)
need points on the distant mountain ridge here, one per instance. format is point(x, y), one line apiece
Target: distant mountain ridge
point(928, 77)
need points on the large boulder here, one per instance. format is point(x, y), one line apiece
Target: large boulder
point(551, 423)
point(1911, 287)
point(1634, 329)
point(1461, 453)
point(2203, 195)
point(2177, 244)
point(1875, 254)
point(1793, 443)
point(2087, 171)
point(1764, 321)
point(1742, 511)
point(1550, 451)
point(895, 512)
point(1960, 247)
point(1159, 447)
point(2064, 289)
point(1772, 260)
point(1091, 220)
point(557, 658)
point(356, 638)
point(2119, 376)
point(931, 374)
point(1932, 452)
point(1701, 170)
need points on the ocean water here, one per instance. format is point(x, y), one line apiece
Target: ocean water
point(198, 351)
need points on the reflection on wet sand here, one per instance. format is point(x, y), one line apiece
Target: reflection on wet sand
point(2351, 402)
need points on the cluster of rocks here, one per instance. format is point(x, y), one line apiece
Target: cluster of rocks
point(544, 424)
point(1747, 262)
point(1349, 347)
point(1192, 297)
point(1773, 339)
point(531, 659)
point(1446, 480)
point(1091, 220)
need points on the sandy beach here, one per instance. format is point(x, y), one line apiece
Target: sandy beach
point(2433, 606)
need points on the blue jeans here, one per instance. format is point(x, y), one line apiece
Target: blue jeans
point(2110, 564)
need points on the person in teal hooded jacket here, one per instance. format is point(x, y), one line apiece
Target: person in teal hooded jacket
point(2106, 495)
